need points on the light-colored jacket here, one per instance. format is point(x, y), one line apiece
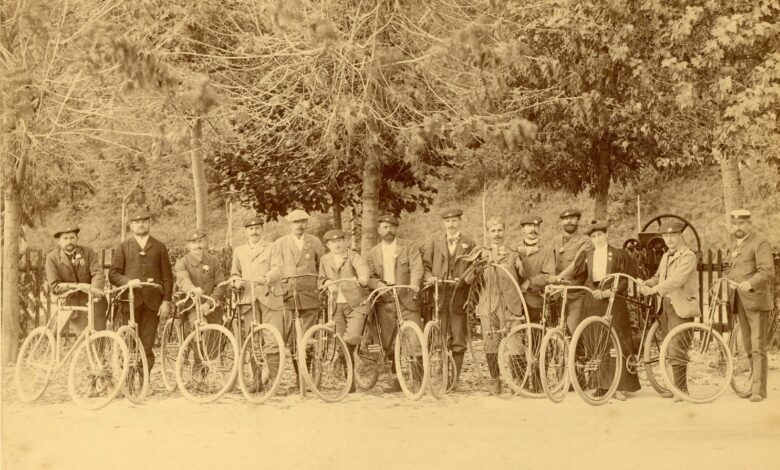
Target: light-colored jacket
point(678, 280)
point(752, 261)
point(254, 262)
point(351, 266)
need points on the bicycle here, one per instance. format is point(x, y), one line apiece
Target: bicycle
point(100, 357)
point(702, 353)
point(136, 386)
point(411, 356)
point(442, 372)
point(329, 371)
point(171, 336)
point(205, 366)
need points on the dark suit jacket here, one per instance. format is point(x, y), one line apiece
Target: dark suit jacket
point(436, 262)
point(752, 262)
point(59, 269)
point(304, 261)
point(333, 268)
point(408, 270)
point(153, 266)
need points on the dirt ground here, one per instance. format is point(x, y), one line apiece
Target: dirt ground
point(369, 430)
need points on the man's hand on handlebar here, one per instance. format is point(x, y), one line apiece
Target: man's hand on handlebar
point(134, 283)
point(197, 291)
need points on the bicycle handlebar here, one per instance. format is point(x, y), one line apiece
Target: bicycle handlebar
point(551, 289)
point(376, 293)
point(121, 289)
point(296, 276)
point(730, 283)
point(338, 281)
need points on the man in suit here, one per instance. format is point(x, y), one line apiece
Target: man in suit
point(143, 258)
point(199, 272)
point(753, 268)
point(565, 248)
point(677, 283)
point(349, 311)
point(301, 253)
point(440, 262)
point(72, 266)
point(395, 261)
point(538, 265)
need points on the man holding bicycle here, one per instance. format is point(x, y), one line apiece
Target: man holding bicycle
point(441, 262)
point(199, 272)
point(143, 258)
point(753, 268)
point(538, 265)
point(74, 266)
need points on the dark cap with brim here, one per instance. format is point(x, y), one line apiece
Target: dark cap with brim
point(333, 235)
point(140, 215)
point(59, 233)
point(196, 235)
point(570, 213)
point(596, 227)
point(254, 221)
point(390, 219)
point(672, 226)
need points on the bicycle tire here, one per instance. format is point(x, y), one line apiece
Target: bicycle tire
point(742, 378)
point(439, 360)
point(651, 358)
point(328, 372)
point(41, 368)
point(409, 342)
point(518, 359)
point(367, 359)
point(697, 343)
point(170, 343)
point(553, 369)
point(598, 340)
point(96, 349)
point(257, 363)
point(195, 364)
point(138, 369)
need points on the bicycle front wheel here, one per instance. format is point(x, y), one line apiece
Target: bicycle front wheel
point(595, 360)
point(35, 364)
point(367, 359)
point(170, 343)
point(98, 370)
point(412, 364)
point(136, 385)
point(552, 365)
point(206, 365)
point(652, 358)
point(696, 362)
point(518, 360)
point(439, 360)
point(261, 363)
point(742, 380)
point(328, 370)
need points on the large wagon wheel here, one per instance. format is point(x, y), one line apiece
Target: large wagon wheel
point(689, 233)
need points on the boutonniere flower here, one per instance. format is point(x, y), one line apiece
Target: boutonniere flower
point(79, 259)
point(465, 246)
point(397, 252)
point(142, 252)
point(206, 267)
point(735, 254)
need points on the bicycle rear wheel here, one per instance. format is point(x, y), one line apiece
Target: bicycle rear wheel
point(651, 358)
point(552, 365)
point(696, 362)
point(98, 370)
point(412, 364)
point(35, 364)
point(367, 359)
point(439, 359)
point(518, 360)
point(206, 365)
point(136, 385)
point(329, 369)
point(595, 361)
point(742, 379)
point(261, 363)
point(170, 343)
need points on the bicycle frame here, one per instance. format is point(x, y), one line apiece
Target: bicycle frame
point(436, 296)
point(371, 301)
point(297, 323)
point(89, 329)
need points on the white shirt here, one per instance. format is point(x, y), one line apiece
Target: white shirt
point(298, 242)
point(740, 240)
point(388, 262)
point(141, 240)
point(600, 255)
point(452, 245)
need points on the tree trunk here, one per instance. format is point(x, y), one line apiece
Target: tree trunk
point(601, 189)
point(336, 208)
point(370, 200)
point(732, 182)
point(199, 175)
point(10, 313)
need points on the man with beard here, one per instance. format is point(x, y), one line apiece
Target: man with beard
point(440, 262)
point(565, 248)
point(395, 261)
point(753, 268)
point(199, 272)
point(538, 266)
point(72, 266)
point(143, 258)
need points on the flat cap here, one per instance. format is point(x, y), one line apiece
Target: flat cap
point(448, 213)
point(596, 226)
point(672, 226)
point(389, 218)
point(256, 220)
point(297, 215)
point(333, 235)
point(740, 214)
point(196, 235)
point(570, 213)
point(531, 220)
point(140, 215)
point(59, 232)
point(494, 221)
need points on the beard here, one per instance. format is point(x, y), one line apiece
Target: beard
point(739, 233)
point(69, 247)
point(570, 228)
point(388, 237)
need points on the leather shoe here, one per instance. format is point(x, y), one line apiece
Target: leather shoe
point(756, 397)
point(495, 387)
point(394, 387)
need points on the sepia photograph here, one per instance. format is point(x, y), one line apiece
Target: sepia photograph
point(389, 234)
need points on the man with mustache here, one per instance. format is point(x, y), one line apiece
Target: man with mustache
point(199, 272)
point(753, 268)
point(538, 266)
point(394, 261)
point(72, 266)
point(565, 248)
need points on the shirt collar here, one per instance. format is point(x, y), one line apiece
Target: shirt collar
point(454, 237)
point(142, 241)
